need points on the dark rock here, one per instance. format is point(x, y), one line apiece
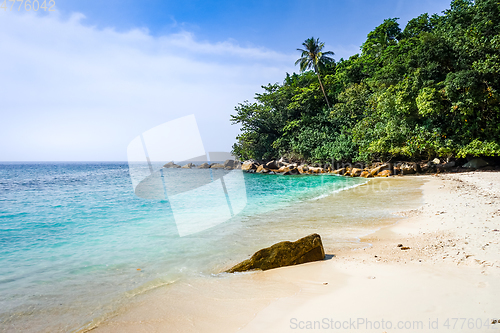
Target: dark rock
point(428, 167)
point(408, 168)
point(291, 171)
point(445, 166)
point(272, 165)
point(229, 164)
point(282, 162)
point(475, 163)
point(304, 250)
point(303, 168)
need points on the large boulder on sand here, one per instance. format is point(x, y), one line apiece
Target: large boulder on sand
point(366, 174)
point(307, 249)
point(339, 171)
point(356, 172)
point(445, 166)
point(475, 163)
point(385, 173)
point(408, 168)
point(378, 169)
point(316, 170)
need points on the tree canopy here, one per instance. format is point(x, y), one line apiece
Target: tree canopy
point(428, 90)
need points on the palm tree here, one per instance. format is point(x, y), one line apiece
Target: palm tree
point(313, 58)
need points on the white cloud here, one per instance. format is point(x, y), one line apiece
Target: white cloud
point(73, 92)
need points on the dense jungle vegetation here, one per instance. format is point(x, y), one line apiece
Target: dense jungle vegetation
point(429, 90)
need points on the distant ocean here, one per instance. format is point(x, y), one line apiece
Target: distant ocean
point(76, 243)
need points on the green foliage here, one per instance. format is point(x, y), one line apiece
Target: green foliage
point(432, 89)
point(430, 102)
point(480, 148)
point(385, 35)
point(418, 25)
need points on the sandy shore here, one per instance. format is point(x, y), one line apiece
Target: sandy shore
point(437, 270)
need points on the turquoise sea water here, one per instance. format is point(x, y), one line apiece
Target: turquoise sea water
point(76, 242)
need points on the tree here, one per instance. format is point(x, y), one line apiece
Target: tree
point(417, 25)
point(385, 35)
point(432, 90)
point(313, 58)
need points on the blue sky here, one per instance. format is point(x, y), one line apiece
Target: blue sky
point(82, 82)
point(277, 25)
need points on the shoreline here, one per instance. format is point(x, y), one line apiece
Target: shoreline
point(271, 299)
point(448, 272)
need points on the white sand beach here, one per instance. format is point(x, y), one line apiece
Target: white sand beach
point(443, 277)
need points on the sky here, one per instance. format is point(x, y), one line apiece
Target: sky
point(81, 82)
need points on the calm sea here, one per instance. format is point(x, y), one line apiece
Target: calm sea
point(76, 242)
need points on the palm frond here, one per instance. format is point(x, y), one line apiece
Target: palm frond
point(312, 57)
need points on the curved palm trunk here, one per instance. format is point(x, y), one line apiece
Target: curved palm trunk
point(323, 89)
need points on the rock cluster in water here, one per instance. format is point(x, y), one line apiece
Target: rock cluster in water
point(285, 167)
point(307, 249)
point(228, 165)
